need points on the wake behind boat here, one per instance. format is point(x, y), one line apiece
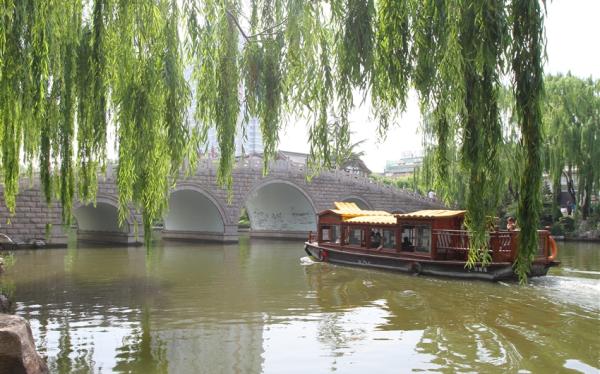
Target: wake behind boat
point(429, 242)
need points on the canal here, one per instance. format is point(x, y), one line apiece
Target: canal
point(259, 306)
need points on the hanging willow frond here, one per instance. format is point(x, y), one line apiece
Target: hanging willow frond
point(527, 34)
point(87, 173)
point(356, 47)
point(252, 62)
point(227, 100)
point(392, 60)
point(177, 91)
point(271, 90)
point(65, 71)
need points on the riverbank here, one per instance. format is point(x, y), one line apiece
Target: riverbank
point(578, 239)
point(15, 246)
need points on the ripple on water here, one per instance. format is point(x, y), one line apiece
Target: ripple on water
point(580, 366)
point(582, 292)
point(260, 307)
point(306, 260)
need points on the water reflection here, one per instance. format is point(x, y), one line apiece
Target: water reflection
point(480, 327)
point(254, 307)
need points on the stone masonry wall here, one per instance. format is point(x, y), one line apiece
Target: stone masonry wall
point(32, 213)
point(31, 217)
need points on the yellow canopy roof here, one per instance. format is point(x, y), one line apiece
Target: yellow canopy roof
point(374, 220)
point(432, 214)
point(343, 205)
point(351, 210)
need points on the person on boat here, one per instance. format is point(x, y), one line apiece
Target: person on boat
point(375, 239)
point(511, 224)
point(406, 244)
point(378, 243)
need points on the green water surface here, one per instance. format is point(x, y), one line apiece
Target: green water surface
point(259, 306)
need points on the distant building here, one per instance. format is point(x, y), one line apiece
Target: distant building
point(402, 167)
point(295, 157)
point(357, 167)
point(250, 144)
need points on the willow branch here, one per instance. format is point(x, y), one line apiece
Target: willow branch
point(264, 32)
point(237, 24)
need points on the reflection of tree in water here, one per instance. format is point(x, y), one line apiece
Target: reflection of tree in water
point(141, 351)
point(338, 292)
point(70, 257)
point(68, 360)
point(337, 288)
point(455, 333)
point(337, 338)
point(332, 334)
point(471, 347)
point(63, 360)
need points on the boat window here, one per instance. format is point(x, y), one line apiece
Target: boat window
point(389, 239)
point(416, 238)
point(376, 238)
point(355, 236)
point(330, 233)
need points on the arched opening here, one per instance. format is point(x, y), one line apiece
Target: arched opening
point(100, 224)
point(280, 209)
point(362, 203)
point(193, 215)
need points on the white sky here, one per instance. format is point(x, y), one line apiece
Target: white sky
point(572, 31)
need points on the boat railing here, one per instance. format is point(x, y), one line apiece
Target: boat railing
point(543, 247)
point(454, 244)
point(312, 237)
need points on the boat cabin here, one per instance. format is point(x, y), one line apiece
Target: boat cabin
point(350, 226)
point(431, 234)
point(427, 241)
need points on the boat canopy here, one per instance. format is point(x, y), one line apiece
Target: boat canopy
point(351, 210)
point(432, 214)
point(373, 220)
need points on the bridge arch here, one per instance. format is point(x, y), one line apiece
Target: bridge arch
point(279, 208)
point(361, 202)
point(99, 222)
point(194, 214)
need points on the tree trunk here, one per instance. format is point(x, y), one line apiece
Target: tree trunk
point(586, 202)
point(556, 190)
point(570, 184)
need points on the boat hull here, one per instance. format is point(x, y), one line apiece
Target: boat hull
point(455, 269)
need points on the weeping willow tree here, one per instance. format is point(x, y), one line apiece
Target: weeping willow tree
point(572, 129)
point(74, 71)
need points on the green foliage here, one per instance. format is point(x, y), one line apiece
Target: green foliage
point(557, 229)
point(151, 118)
point(356, 47)
point(594, 217)
point(8, 259)
point(244, 220)
point(567, 223)
point(72, 70)
point(463, 126)
point(405, 182)
point(528, 31)
point(572, 133)
point(392, 60)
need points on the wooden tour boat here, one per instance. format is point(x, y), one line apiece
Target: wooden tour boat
point(428, 242)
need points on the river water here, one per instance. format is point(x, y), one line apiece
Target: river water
point(260, 306)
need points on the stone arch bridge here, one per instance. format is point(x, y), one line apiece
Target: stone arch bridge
point(281, 204)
